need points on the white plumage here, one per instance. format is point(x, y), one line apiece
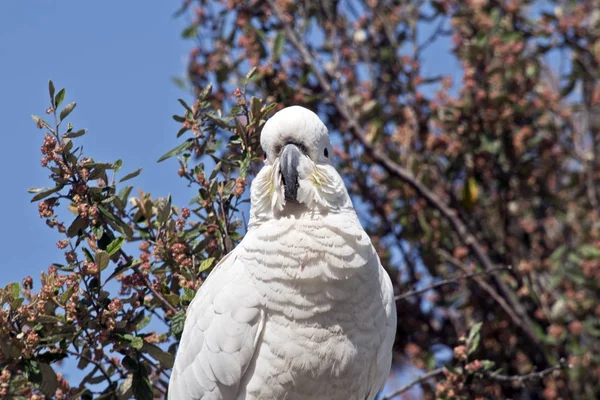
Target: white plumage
point(301, 308)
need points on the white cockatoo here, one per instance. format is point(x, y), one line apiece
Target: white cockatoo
point(301, 308)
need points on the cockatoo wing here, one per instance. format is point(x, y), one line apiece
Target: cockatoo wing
point(387, 331)
point(220, 335)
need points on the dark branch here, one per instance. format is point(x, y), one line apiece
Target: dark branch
point(533, 375)
point(446, 282)
point(414, 382)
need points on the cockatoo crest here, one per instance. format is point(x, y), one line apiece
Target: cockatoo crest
point(298, 168)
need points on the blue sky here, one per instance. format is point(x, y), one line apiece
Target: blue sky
point(116, 60)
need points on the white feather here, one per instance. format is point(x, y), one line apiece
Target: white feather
point(301, 308)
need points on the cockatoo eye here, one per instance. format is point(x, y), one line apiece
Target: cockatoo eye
point(326, 152)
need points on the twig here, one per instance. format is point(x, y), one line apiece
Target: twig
point(156, 293)
point(439, 30)
point(414, 382)
point(533, 375)
point(487, 288)
point(493, 376)
point(397, 171)
point(98, 365)
point(144, 278)
point(446, 282)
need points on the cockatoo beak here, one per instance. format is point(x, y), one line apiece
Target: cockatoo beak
point(289, 161)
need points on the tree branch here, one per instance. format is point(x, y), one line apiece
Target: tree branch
point(396, 171)
point(414, 382)
point(165, 303)
point(446, 282)
point(493, 376)
point(533, 375)
point(487, 288)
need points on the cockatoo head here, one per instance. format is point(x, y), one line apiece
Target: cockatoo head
point(298, 168)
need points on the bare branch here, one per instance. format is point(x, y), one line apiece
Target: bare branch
point(533, 375)
point(414, 382)
point(487, 288)
point(447, 282)
point(493, 376)
point(165, 303)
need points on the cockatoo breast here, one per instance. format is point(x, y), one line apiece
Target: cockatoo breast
point(325, 317)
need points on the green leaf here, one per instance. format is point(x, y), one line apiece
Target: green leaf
point(67, 110)
point(177, 323)
point(17, 303)
point(83, 361)
point(122, 268)
point(98, 231)
point(131, 175)
point(45, 192)
point(66, 268)
point(268, 108)
point(72, 135)
point(32, 371)
point(173, 299)
point(51, 91)
point(185, 105)
point(117, 165)
point(589, 251)
point(244, 165)
point(250, 73)
point(49, 380)
point(177, 150)
point(215, 170)
point(77, 225)
point(124, 193)
point(135, 341)
point(88, 254)
point(143, 323)
point(188, 294)
point(115, 246)
point(142, 387)
point(125, 388)
point(205, 92)
point(180, 83)
point(182, 131)
point(452, 369)
point(101, 258)
point(278, 46)
point(473, 338)
point(218, 121)
point(59, 98)
point(40, 121)
point(67, 294)
point(116, 223)
point(15, 290)
point(190, 32)
point(67, 145)
point(255, 107)
point(163, 209)
point(206, 264)
point(166, 359)
point(487, 364)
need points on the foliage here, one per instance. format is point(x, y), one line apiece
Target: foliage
point(496, 170)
